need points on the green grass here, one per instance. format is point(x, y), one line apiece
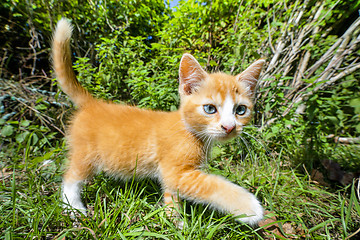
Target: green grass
point(299, 207)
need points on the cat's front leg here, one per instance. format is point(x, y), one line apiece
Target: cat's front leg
point(172, 207)
point(217, 192)
point(172, 202)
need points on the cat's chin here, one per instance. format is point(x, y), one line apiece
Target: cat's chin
point(225, 138)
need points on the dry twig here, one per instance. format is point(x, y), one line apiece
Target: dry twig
point(290, 59)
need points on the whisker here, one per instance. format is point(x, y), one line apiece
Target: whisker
point(206, 139)
point(257, 140)
point(246, 143)
point(208, 146)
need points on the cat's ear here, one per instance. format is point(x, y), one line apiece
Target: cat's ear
point(191, 74)
point(251, 74)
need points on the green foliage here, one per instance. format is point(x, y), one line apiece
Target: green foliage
point(336, 111)
point(26, 135)
point(31, 23)
point(216, 32)
point(131, 70)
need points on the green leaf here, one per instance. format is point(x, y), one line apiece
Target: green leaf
point(20, 138)
point(358, 128)
point(35, 139)
point(25, 123)
point(213, 63)
point(7, 130)
point(173, 108)
point(333, 119)
point(17, 15)
point(41, 107)
point(275, 129)
point(355, 103)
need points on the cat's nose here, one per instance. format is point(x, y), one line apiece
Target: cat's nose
point(228, 129)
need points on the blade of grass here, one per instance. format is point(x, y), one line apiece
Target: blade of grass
point(342, 214)
point(13, 196)
point(297, 180)
point(323, 224)
point(48, 219)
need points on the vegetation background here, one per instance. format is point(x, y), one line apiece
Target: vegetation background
point(300, 156)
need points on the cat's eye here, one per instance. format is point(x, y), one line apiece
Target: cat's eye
point(209, 109)
point(240, 110)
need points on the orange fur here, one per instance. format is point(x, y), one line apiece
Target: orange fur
point(167, 146)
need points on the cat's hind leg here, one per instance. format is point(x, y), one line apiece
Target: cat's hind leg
point(71, 194)
point(217, 192)
point(79, 169)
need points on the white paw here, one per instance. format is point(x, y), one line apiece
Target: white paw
point(71, 197)
point(253, 215)
point(180, 224)
point(74, 208)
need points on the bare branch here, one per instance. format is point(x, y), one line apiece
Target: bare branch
point(331, 50)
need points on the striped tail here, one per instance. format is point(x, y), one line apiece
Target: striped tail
point(61, 56)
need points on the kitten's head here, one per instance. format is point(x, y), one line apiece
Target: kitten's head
point(216, 106)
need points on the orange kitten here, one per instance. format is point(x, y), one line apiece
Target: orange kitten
point(167, 146)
